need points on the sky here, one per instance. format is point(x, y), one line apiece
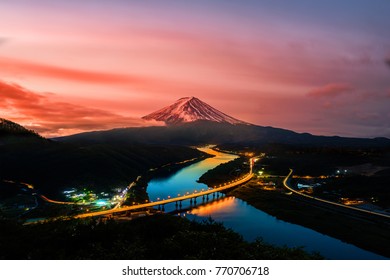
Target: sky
point(321, 67)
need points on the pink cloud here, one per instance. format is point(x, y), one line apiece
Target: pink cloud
point(50, 71)
point(158, 86)
point(52, 118)
point(331, 90)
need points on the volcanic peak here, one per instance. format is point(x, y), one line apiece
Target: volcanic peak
point(190, 109)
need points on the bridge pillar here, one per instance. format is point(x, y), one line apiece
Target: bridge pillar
point(176, 204)
point(190, 200)
point(217, 195)
point(180, 203)
point(195, 200)
point(207, 197)
point(159, 207)
point(213, 194)
point(163, 208)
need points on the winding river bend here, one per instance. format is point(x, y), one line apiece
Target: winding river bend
point(250, 222)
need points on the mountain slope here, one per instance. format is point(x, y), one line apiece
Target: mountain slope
point(50, 166)
point(190, 109)
point(11, 132)
point(208, 132)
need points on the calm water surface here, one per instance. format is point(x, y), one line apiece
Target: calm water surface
point(245, 219)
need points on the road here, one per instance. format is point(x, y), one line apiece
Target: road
point(194, 195)
point(166, 201)
point(57, 202)
point(327, 201)
point(124, 193)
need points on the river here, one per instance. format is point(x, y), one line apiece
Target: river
point(243, 218)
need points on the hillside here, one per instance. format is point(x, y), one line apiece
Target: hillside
point(11, 132)
point(52, 166)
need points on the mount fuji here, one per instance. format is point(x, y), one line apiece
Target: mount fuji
point(190, 121)
point(190, 109)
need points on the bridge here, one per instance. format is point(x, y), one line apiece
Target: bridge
point(122, 209)
point(179, 199)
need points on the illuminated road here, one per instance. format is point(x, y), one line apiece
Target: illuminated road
point(57, 202)
point(170, 200)
point(327, 201)
point(122, 209)
point(124, 193)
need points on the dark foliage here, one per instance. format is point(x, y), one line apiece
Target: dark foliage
point(155, 237)
point(225, 172)
point(11, 132)
point(51, 166)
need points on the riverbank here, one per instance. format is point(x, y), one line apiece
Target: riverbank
point(367, 235)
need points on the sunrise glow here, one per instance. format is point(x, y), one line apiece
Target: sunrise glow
point(310, 66)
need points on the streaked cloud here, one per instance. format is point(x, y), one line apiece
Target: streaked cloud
point(57, 72)
point(331, 90)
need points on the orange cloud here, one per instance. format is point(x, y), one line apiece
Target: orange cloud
point(331, 90)
point(51, 118)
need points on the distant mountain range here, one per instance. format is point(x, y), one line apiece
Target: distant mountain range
point(208, 132)
point(191, 121)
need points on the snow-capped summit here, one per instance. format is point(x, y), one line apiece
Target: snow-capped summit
point(190, 109)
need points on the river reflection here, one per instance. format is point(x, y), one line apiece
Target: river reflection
point(185, 180)
point(242, 217)
point(252, 223)
point(225, 206)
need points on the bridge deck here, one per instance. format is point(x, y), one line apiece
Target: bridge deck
point(166, 201)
